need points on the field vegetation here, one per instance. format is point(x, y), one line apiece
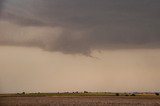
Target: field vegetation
point(80, 99)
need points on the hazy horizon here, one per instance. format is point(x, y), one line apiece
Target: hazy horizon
point(79, 45)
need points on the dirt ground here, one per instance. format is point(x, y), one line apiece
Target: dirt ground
point(80, 101)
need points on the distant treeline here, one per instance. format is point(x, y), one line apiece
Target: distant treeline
point(85, 93)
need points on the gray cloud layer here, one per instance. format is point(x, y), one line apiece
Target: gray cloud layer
point(1, 4)
point(84, 25)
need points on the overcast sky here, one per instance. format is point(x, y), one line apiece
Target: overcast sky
point(38, 38)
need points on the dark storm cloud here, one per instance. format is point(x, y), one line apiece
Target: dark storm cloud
point(1, 4)
point(89, 24)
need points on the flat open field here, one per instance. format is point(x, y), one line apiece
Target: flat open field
point(81, 101)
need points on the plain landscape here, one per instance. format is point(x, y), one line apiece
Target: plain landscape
point(79, 99)
point(79, 52)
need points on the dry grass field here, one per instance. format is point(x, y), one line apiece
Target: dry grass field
point(81, 101)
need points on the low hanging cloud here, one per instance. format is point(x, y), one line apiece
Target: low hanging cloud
point(80, 26)
point(1, 4)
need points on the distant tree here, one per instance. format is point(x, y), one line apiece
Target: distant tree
point(23, 93)
point(157, 94)
point(38, 93)
point(117, 94)
point(133, 95)
point(85, 92)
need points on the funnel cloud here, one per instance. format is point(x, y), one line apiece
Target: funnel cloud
point(80, 26)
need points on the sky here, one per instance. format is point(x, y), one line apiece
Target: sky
point(77, 45)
